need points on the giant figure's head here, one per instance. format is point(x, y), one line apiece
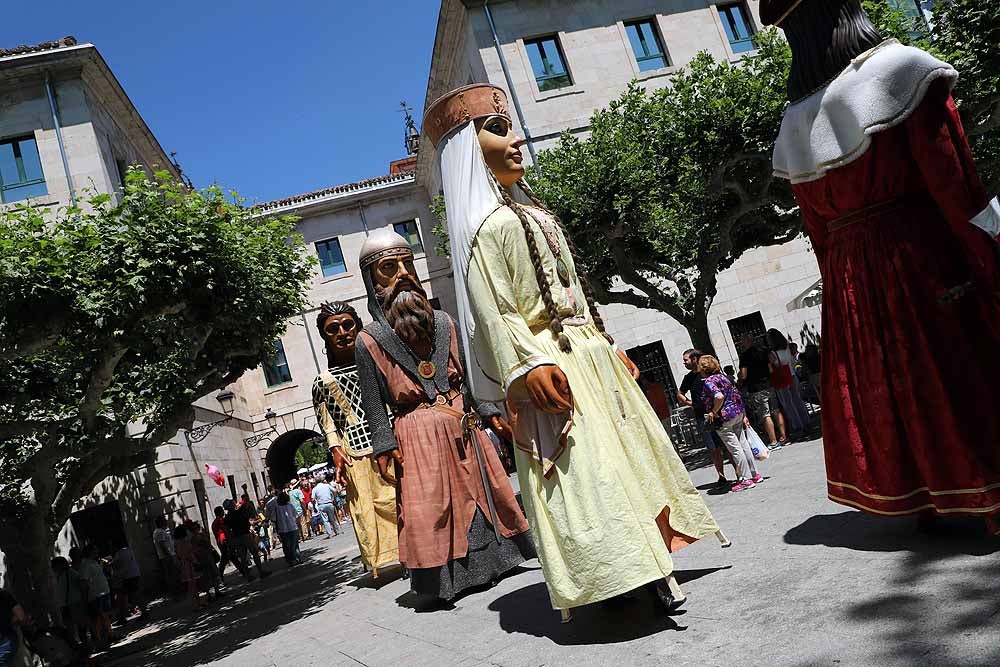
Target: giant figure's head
point(338, 325)
point(395, 293)
point(825, 36)
point(481, 169)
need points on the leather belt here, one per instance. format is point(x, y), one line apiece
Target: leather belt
point(876, 211)
point(441, 401)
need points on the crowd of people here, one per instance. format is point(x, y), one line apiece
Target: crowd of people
point(765, 395)
point(95, 592)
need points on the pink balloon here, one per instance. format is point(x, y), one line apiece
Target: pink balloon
point(215, 474)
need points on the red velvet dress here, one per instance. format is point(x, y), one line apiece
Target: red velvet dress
point(911, 321)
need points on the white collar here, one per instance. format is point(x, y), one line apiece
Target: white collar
point(880, 89)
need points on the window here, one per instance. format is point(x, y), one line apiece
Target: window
point(409, 231)
point(646, 45)
point(232, 485)
point(276, 367)
point(652, 362)
point(20, 170)
point(547, 63)
point(752, 324)
point(739, 30)
point(331, 257)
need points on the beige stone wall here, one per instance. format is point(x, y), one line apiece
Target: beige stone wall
point(596, 49)
point(764, 280)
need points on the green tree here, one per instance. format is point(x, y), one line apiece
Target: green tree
point(309, 454)
point(966, 33)
point(442, 244)
point(117, 316)
point(673, 186)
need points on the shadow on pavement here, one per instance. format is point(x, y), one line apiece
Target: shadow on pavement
point(923, 628)
point(919, 623)
point(423, 604)
point(528, 611)
point(866, 532)
point(386, 576)
point(684, 576)
point(249, 613)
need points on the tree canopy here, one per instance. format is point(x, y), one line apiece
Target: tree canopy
point(118, 315)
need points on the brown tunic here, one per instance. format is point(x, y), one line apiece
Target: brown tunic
point(439, 491)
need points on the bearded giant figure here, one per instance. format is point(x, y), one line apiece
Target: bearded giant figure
point(337, 402)
point(904, 233)
point(459, 523)
point(608, 498)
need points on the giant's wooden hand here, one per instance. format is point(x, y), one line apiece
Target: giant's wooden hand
point(340, 462)
point(395, 456)
point(549, 389)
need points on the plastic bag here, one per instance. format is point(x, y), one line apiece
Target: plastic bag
point(757, 446)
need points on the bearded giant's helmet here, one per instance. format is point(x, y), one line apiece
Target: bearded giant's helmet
point(379, 245)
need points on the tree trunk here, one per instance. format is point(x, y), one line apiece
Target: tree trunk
point(28, 548)
point(697, 328)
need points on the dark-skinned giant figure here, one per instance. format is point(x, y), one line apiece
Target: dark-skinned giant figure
point(336, 392)
point(904, 233)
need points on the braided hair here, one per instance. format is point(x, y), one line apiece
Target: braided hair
point(588, 291)
point(555, 322)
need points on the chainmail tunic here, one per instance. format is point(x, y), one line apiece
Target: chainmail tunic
point(338, 390)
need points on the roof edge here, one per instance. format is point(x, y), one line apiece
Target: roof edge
point(335, 192)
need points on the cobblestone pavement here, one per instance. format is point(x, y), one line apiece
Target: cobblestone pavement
point(806, 583)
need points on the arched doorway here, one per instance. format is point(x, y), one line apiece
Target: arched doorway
point(280, 456)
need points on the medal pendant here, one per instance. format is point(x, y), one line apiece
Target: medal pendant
point(426, 369)
point(562, 271)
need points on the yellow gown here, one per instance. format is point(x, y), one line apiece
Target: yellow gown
point(607, 509)
point(370, 500)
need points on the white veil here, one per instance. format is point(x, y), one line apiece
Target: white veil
point(470, 195)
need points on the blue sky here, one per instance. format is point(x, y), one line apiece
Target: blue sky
point(270, 98)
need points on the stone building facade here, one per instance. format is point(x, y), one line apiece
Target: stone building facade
point(566, 59)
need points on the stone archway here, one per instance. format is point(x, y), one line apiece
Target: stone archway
point(280, 456)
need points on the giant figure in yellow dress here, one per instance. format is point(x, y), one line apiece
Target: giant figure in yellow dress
point(607, 497)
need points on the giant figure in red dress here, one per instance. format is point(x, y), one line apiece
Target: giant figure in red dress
point(905, 236)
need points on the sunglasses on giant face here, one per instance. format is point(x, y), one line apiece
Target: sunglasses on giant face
point(335, 326)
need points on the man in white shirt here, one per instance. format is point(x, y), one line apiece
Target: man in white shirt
point(163, 541)
point(323, 497)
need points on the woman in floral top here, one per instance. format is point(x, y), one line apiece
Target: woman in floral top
point(724, 410)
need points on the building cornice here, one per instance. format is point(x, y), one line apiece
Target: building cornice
point(337, 196)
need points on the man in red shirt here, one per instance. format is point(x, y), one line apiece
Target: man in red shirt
point(222, 539)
